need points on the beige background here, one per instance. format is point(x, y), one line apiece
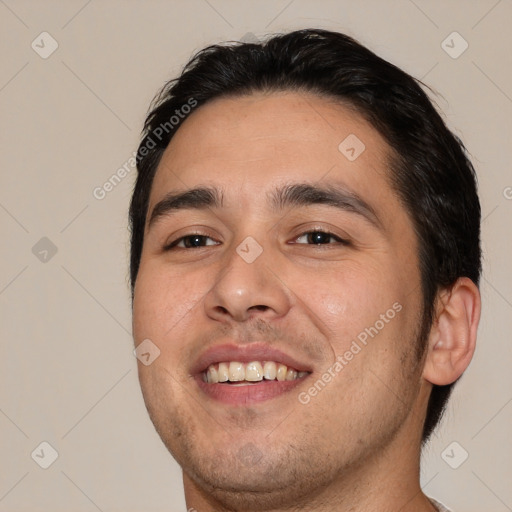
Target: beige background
point(69, 121)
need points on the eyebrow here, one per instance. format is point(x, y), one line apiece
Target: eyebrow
point(199, 198)
point(306, 194)
point(285, 196)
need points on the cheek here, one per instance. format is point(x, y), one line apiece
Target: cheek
point(347, 299)
point(361, 305)
point(163, 300)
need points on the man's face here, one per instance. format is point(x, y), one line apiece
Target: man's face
point(254, 282)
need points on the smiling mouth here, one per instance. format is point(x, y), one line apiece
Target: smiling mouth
point(241, 374)
point(244, 374)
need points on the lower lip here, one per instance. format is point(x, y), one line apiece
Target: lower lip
point(247, 394)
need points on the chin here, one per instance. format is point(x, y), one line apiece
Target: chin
point(247, 479)
point(247, 489)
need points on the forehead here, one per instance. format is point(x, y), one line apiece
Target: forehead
point(253, 143)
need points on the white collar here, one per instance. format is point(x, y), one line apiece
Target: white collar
point(440, 507)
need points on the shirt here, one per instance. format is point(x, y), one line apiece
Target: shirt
point(440, 507)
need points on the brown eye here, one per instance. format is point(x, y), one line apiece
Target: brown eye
point(320, 238)
point(191, 241)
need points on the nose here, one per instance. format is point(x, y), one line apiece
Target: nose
point(244, 290)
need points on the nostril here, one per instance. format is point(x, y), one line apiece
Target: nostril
point(259, 308)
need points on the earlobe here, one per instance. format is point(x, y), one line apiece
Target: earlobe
point(452, 338)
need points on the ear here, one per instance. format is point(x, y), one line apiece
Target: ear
point(452, 338)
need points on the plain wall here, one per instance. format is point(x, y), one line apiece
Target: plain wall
point(70, 121)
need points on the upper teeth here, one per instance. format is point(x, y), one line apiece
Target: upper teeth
point(254, 371)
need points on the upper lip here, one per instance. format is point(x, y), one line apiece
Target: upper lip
point(254, 351)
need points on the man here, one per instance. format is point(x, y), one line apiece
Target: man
point(306, 258)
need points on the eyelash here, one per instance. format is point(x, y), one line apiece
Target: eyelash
point(173, 245)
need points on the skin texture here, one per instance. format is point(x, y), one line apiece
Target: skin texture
point(356, 444)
